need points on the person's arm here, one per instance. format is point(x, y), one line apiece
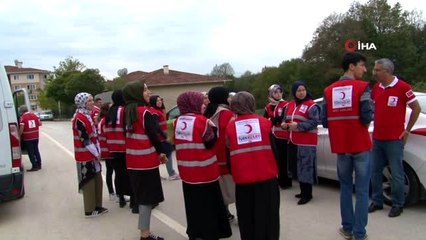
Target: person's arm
point(85, 138)
point(312, 122)
point(324, 118)
point(210, 136)
point(366, 107)
point(149, 124)
point(415, 111)
point(21, 128)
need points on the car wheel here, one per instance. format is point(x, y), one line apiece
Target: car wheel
point(411, 185)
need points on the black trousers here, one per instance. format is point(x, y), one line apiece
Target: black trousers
point(108, 176)
point(33, 152)
point(292, 159)
point(284, 179)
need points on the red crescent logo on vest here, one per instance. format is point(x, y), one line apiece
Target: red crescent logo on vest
point(184, 127)
point(250, 128)
point(343, 95)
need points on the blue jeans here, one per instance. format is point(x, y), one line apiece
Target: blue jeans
point(168, 148)
point(354, 222)
point(388, 152)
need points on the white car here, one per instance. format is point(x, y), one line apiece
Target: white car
point(414, 158)
point(45, 115)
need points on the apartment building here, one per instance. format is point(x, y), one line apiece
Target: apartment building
point(30, 78)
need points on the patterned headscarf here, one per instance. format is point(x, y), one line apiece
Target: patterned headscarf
point(80, 101)
point(243, 103)
point(133, 96)
point(190, 102)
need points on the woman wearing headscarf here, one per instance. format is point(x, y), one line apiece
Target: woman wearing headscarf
point(219, 113)
point(255, 171)
point(115, 138)
point(195, 136)
point(302, 118)
point(105, 154)
point(157, 109)
point(87, 154)
point(143, 154)
point(275, 111)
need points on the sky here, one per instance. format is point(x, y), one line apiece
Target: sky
point(188, 35)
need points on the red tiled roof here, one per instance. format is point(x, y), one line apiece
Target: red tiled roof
point(158, 78)
point(13, 69)
point(136, 75)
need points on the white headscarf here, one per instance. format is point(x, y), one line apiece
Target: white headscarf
point(80, 101)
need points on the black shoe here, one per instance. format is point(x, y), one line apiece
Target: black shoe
point(304, 200)
point(373, 207)
point(122, 201)
point(152, 237)
point(395, 211)
point(135, 210)
point(33, 169)
point(298, 195)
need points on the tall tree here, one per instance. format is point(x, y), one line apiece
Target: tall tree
point(223, 70)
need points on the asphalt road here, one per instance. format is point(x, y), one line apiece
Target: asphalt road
point(53, 209)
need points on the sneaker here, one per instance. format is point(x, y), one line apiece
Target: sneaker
point(395, 211)
point(112, 197)
point(231, 217)
point(33, 169)
point(345, 234)
point(174, 177)
point(97, 212)
point(152, 237)
point(304, 200)
point(373, 207)
point(363, 238)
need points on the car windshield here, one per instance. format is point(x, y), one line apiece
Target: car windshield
point(47, 113)
point(422, 102)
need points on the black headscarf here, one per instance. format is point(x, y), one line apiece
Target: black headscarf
point(133, 97)
point(153, 101)
point(294, 88)
point(117, 101)
point(217, 96)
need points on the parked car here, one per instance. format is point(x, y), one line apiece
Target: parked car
point(45, 115)
point(414, 158)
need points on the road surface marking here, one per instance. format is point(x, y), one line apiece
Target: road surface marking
point(173, 224)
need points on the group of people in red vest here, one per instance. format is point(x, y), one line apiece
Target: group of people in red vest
point(226, 153)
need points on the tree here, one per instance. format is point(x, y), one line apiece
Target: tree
point(122, 72)
point(70, 78)
point(223, 70)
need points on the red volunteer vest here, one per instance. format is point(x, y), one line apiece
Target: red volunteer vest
point(81, 153)
point(252, 159)
point(276, 129)
point(161, 121)
point(102, 140)
point(140, 153)
point(221, 120)
point(347, 133)
point(269, 109)
point(300, 114)
point(31, 126)
point(115, 136)
point(196, 164)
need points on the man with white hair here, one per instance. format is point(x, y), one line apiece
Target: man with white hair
point(391, 96)
point(29, 124)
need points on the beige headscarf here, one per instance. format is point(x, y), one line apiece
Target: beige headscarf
point(243, 103)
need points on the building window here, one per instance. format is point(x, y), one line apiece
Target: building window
point(31, 87)
point(17, 87)
point(33, 107)
point(32, 97)
point(30, 76)
point(15, 77)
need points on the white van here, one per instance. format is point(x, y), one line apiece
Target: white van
point(11, 169)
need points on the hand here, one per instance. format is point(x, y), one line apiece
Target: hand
point(211, 123)
point(292, 126)
point(163, 158)
point(404, 136)
point(284, 126)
